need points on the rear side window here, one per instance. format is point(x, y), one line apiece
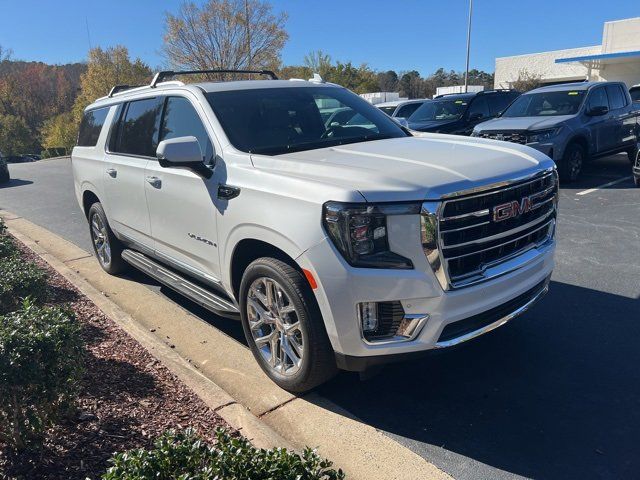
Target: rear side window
point(91, 126)
point(616, 96)
point(406, 110)
point(497, 103)
point(181, 120)
point(479, 105)
point(138, 128)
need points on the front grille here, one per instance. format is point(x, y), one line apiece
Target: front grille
point(481, 320)
point(480, 231)
point(507, 136)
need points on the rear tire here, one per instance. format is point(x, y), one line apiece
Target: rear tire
point(283, 326)
point(633, 153)
point(106, 246)
point(570, 165)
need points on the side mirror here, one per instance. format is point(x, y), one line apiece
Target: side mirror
point(182, 152)
point(402, 121)
point(598, 111)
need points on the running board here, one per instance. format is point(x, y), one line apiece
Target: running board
point(180, 284)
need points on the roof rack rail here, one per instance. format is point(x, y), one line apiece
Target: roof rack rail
point(160, 76)
point(121, 88)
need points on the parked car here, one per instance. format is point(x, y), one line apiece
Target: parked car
point(338, 246)
point(635, 93)
point(458, 113)
point(4, 170)
point(401, 108)
point(570, 123)
point(18, 159)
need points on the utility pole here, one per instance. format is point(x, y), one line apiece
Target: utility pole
point(466, 72)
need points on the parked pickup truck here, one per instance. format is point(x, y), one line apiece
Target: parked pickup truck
point(337, 245)
point(571, 123)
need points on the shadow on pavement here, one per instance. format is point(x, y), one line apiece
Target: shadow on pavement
point(15, 182)
point(603, 170)
point(555, 394)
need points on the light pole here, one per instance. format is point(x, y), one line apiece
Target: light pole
point(466, 72)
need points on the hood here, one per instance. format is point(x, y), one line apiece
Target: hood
point(426, 167)
point(522, 123)
point(431, 125)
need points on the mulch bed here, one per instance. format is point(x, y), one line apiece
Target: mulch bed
point(127, 399)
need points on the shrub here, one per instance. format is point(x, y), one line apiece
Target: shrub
point(40, 368)
point(7, 247)
point(19, 280)
point(183, 455)
point(3, 227)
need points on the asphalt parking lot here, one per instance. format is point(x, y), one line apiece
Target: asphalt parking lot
point(555, 394)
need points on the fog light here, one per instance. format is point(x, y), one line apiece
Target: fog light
point(368, 316)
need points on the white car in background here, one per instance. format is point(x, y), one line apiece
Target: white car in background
point(401, 108)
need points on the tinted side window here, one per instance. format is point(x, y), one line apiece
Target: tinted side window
point(406, 110)
point(138, 129)
point(598, 98)
point(616, 97)
point(90, 127)
point(497, 103)
point(181, 120)
point(479, 105)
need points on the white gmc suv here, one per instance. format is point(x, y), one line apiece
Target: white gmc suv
point(337, 245)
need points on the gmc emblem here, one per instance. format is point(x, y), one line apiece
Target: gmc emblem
point(514, 209)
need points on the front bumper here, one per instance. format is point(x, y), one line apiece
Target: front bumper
point(476, 308)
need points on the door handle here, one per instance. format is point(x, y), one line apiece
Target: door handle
point(113, 173)
point(155, 182)
point(227, 192)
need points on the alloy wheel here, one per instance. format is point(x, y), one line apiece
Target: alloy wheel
point(275, 326)
point(575, 163)
point(100, 239)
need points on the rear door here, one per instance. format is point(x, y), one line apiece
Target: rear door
point(132, 144)
point(182, 204)
point(619, 114)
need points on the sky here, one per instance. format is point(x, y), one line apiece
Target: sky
point(401, 35)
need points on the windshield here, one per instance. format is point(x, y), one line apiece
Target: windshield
point(273, 121)
point(388, 110)
point(546, 104)
point(439, 110)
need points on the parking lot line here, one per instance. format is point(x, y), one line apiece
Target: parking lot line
point(605, 185)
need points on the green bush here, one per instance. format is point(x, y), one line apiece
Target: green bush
point(19, 280)
point(41, 354)
point(182, 455)
point(7, 247)
point(3, 227)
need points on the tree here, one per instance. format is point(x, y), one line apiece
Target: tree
point(410, 84)
point(387, 81)
point(60, 132)
point(5, 54)
point(105, 69)
point(15, 136)
point(526, 81)
point(318, 62)
point(225, 34)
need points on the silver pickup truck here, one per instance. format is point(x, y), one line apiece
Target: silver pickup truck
point(571, 123)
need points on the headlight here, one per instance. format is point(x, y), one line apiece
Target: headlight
point(542, 135)
point(359, 232)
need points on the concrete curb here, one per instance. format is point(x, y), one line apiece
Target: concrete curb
point(223, 372)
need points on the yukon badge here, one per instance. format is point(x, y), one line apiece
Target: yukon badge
point(514, 209)
point(200, 239)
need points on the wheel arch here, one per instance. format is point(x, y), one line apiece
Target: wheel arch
point(581, 140)
point(249, 249)
point(89, 197)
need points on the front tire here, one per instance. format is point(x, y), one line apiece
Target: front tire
point(283, 326)
point(570, 165)
point(106, 246)
point(632, 154)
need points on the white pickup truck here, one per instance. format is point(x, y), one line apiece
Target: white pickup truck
point(338, 246)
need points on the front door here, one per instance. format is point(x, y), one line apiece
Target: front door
point(182, 204)
point(602, 126)
point(133, 141)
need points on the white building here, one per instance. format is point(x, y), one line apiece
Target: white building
point(617, 59)
point(458, 89)
point(381, 97)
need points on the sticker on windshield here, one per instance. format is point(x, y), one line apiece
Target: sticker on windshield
point(459, 101)
point(573, 93)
